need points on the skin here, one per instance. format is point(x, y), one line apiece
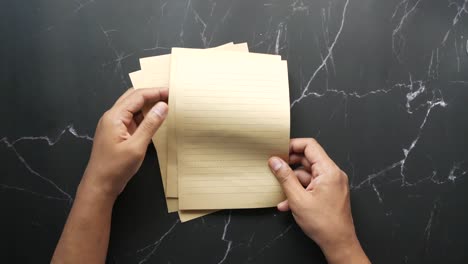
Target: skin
point(120, 143)
point(317, 193)
point(318, 197)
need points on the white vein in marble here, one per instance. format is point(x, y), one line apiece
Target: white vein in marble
point(154, 246)
point(51, 142)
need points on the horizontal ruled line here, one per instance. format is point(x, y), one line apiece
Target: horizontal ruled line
point(201, 136)
point(248, 81)
point(237, 144)
point(225, 173)
point(222, 178)
point(240, 145)
point(221, 103)
point(231, 151)
point(240, 73)
point(231, 147)
point(225, 160)
point(241, 117)
point(245, 131)
point(198, 90)
point(205, 193)
point(234, 84)
point(230, 186)
point(230, 124)
point(219, 166)
point(231, 110)
point(238, 153)
point(208, 96)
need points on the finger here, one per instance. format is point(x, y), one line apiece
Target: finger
point(299, 159)
point(286, 177)
point(303, 176)
point(124, 95)
point(138, 98)
point(283, 206)
point(311, 150)
point(150, 124)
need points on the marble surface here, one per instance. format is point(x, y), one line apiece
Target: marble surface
point(382, 84)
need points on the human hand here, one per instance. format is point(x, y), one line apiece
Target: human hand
point(318, 196)
point(121, 139)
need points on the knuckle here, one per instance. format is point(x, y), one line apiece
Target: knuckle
point(139, 98)
point(344, 177)
point(106, 116)
point(135, 97)
point(312, 141)
point(339, 177)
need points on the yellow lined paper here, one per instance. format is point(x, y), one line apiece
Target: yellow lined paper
point(231, 116)
point(149, 77)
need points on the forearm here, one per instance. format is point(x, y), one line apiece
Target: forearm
point(348, 253)
point(85, 237)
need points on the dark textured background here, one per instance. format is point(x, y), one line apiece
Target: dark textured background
point(382, 84)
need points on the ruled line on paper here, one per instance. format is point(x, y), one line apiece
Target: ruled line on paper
point(210, 76)
point(219, 130)
point(196, 152)
point(189, 181)
point(224, 117)
point(234, 186)
point(224, 160)
point(202, 136)
point(237, 90)
point(233, 110)
point(236, 192)
point(226, 103)
point(230, 124)
point(209, 96)
point(193, 152)
point(220, 166)
point(227, 144)
point(223, 74)
point(225, 173)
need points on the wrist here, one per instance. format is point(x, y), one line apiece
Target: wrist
point(346, 251)
point(100, 182)
point(94, 192)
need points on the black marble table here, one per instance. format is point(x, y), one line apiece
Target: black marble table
point(382, 84)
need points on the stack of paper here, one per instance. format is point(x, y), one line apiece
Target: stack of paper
point(228, 113)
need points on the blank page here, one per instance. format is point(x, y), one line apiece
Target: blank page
point(232, 114)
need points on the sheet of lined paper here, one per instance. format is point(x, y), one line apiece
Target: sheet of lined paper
point(155, 73)
point(172, 165)
point(231, 117)
point(146, 79)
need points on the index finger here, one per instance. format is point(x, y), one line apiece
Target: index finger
point(135, 101)
point(311, 150)
point(124, 95)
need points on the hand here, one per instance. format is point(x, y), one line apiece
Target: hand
point(121, 139)
point(318, 196)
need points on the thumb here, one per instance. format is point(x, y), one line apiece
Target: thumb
point(286, 177)
point(150, 123)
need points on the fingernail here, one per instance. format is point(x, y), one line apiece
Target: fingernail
point(160, 109)
point(276, 164)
